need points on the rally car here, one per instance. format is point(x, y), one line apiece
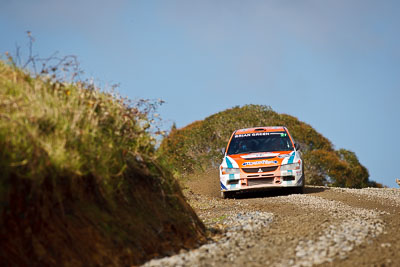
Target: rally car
point(260, 158)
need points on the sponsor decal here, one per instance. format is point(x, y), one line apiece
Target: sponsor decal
point(251, 134)
point(291, 158)
point(260, 134)
point(223, 187)
point(260, 162)
point(229, 164)
point(300, 181)
point(259, 155)
point(281, 134)
point(242, 135)
point(282, 156)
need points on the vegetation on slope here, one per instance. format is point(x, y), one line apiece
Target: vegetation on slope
point(198, 146)
point(80, 182)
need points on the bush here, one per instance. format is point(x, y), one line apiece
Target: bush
point(198, 146)
point(77, 162)
point(68, 129)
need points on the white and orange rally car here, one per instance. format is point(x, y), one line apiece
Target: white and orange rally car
point(260, 158)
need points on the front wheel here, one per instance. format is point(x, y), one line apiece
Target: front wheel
point(301, 189)
point(225, 194)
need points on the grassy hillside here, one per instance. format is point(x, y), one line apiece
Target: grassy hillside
point(197, 146)
point(80, 183)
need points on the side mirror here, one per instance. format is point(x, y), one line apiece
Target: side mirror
point(297, 146)
point(223, 151)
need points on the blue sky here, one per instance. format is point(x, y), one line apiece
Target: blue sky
point(333, 64)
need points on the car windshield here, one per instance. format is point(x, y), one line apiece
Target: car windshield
point(260, 142)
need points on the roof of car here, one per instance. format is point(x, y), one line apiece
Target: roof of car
point(261, 129)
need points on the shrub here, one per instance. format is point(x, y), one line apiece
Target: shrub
point(68, 129)
point(76, 161)
point(198, 146)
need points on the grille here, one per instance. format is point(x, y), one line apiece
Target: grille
point(251, 182)
point(288, 178)
point(263, 169)
point(258, 175)
point(260, 158)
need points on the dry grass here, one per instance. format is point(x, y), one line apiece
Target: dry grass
point(79, 180)
point(67, 129)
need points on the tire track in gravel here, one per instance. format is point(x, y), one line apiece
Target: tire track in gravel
point(383, 250)
point(353, 227)
point(327, 227)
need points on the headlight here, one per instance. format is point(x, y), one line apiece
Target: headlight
point(230, 170)
point(294, 166)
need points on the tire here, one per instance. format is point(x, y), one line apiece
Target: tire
point(301, 189)
point(225, 194)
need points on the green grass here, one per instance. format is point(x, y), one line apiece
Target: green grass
point(76, 161)
point(66, 129)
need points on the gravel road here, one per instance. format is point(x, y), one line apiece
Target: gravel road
point(324, 227)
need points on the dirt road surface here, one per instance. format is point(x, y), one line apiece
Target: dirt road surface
point(324, 227)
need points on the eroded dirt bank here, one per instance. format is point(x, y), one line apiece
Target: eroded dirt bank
point(142, 221)
point(325, 227)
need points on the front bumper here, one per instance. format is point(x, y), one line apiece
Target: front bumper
point(264, 180)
